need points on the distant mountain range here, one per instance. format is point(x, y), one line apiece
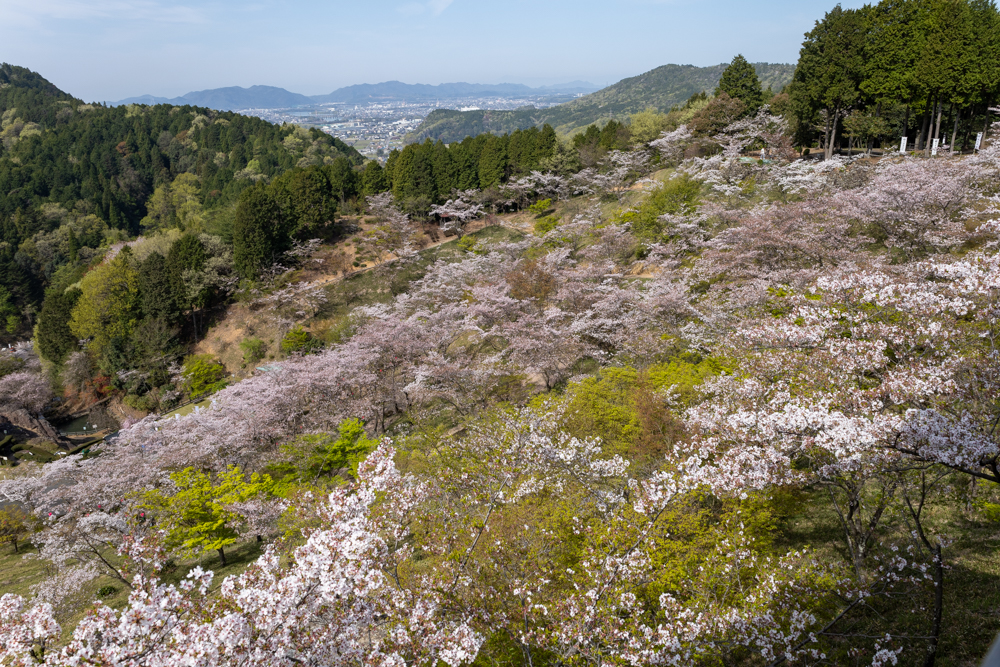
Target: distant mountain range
point(660, 88)
point(269, 97)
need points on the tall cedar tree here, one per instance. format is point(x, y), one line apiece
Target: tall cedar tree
point(373, 179)
point(740, 81)
point(493, 162)
point(260, 232)
point(343, 179)
point(53, 335)
point(159, 296)
point(309, 197)
point(831, 69)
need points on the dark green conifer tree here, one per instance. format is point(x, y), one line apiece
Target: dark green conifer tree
point(467, 156)
point(740, 81)
point(830, 70)
point(445, 171)
point(308, 198)
point(373, 179)
point(53, 335)
point(547, 141)
point(260, 233)
point(493, 162)
point(157, 291)
point(343, 179)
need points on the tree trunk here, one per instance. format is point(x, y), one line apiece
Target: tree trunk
point(986, 125)
point(222, 556)
point(937, 126)
point(826, 134)
point(929, 127)
point(924, 126)
point(954, 131)
point(833, 135)
point(906, 121)
point(15, 544)
point(870, 144)
point(938, 607)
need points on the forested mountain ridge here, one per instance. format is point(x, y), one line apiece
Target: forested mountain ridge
point(395, 90)
point(230, 98)
point(661, 88)
point(270, 97)
point(35, 97)
point(90, 170)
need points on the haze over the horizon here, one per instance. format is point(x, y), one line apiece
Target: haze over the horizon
point(113, 49)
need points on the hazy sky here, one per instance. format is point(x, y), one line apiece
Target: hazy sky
point(112, 49)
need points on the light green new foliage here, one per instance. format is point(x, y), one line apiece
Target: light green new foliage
point(683, 375)
point(540, 206)
point(15, 526)
point(647, 125)
point(253, 350)
point(203, 374)
point(176, 204)
point(8, 311)
point(545, 225)
point(197, 516)
point(109, 306)
point(312, 459)
point(298, 340)
point(676, 196)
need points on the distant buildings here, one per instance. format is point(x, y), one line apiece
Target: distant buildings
point(376, 129)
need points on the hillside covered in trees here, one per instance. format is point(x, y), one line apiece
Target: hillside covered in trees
point(76, 177)
point(677, 391)
point(660, 89)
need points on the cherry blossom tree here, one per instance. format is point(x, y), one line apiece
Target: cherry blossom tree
point(671, 145)
point(393, 233)
point(456, 213)
point(618, 171)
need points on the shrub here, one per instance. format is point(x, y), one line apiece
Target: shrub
point(540, 206)
point(322, 456)
point(203, 374)
point(678, 195)
point(545, 225)
point(335, 331)
point(467, 244)
point(15, 525)
point(254, 350)
point(301, 341)
point(145, 403)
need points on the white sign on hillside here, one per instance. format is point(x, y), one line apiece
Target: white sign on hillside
point(902, 145)
point(934, 146)
point(979, 140)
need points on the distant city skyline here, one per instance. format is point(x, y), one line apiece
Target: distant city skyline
point(105, 50)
